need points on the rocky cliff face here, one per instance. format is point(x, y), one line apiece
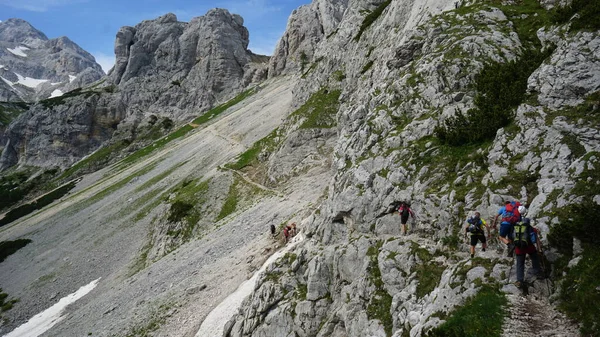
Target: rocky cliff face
point(404, 68)
point(32, 67)
point(164, 69)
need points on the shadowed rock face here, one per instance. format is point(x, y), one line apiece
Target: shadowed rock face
point(33, 67)
point(163, 68)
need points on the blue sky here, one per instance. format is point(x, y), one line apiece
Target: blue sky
point(93, 24)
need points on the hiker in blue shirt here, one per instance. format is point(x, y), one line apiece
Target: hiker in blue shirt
point(510, 216)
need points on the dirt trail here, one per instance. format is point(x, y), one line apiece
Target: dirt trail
point(533, 316)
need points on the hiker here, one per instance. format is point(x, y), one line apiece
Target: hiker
point(510, 216)
point(286, 233)
point(273, 230)
point(294, 232)
point(404, 211)
point(525, 238)
point(475, 226)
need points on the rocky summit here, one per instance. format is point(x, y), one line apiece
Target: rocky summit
point(33, 67)
point(453, 107)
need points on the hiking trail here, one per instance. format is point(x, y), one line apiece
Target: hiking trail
point(533, 316)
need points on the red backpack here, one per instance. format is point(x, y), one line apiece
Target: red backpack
point(511, 213)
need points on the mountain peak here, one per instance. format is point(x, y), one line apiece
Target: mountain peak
point(20, 31)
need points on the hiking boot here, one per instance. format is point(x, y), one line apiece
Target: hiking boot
point(472, 255)
point(519, 284)
point(483, 249)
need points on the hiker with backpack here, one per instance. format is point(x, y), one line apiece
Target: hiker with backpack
point(404, 211)
point(525, 238)
point(475, 226)
point(510, 216)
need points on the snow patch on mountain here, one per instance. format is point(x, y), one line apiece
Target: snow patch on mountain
point(56, 93)
point(45, 320)
point(19, 51)
point(29, 82)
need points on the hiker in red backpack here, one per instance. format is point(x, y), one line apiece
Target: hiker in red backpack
point(475, 226)
point(404, 211)
point(510, 216)
point(286, 233)
point(526, 236)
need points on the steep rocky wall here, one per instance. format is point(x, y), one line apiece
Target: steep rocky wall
point(401, 76)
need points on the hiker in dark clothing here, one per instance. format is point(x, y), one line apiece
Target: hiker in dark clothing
point(273, 229)
point(475, 227)
point(526, 248)
point(404, 211)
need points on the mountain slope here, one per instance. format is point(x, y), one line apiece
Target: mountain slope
point(108, 230)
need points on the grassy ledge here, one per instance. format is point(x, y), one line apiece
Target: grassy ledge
point(481, 315)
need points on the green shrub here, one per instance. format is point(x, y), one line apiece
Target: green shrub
point(366, 67)
point(579, 296)
point(370, 18)
point(320, 109)
point(588, 15)
point(179, 210)
point(9, 111)
point(500, 88)
point(481, 315)
point(42, 201)
point(338, 75)
point(8, 248)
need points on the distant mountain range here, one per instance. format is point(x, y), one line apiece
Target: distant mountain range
point(33, 67)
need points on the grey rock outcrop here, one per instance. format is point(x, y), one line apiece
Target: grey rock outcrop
point(32, 67)
point(307, 26)
point(411, 69)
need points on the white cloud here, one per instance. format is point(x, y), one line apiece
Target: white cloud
point(104, 60)
point(38, 5)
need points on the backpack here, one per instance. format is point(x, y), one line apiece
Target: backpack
point(475, 226)
point(523, 235)
point(403, 210)
point(511, 213)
